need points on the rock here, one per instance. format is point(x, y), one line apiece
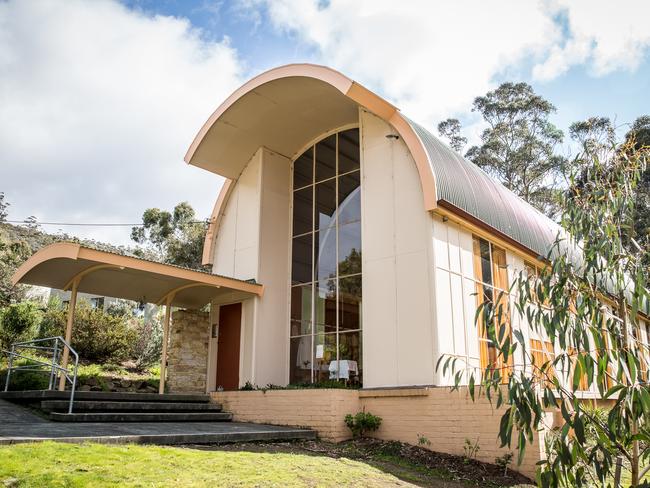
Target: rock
point(85, 388)
point(96, 388)
point(125, 383)
point(150, 389)
point(92, 381)
point(11, 482)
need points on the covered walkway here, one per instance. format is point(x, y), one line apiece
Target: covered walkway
point(71, 266)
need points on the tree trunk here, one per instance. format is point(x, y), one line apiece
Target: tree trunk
point(622, 311)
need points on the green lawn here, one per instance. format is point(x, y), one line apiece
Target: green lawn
point(70, 465)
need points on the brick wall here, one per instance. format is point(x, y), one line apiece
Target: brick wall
point(319, 409)
point(187, 356)
point(444, 417)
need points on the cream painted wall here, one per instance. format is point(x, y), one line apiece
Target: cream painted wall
point(252, 242)
point(237, 240)
point(397, 268)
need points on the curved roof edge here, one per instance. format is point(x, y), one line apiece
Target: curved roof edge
point(445, 176)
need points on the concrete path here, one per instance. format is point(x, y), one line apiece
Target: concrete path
point(19, 424)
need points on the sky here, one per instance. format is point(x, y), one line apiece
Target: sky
point(100, 99)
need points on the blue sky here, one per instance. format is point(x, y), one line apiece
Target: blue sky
point(112, 93)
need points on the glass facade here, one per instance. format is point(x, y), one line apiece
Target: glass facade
point(325, 326)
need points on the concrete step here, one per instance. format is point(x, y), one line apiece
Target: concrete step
point(111, 406)
point(141, 417)
point(39, 395)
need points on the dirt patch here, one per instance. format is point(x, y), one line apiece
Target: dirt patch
point(414, 464)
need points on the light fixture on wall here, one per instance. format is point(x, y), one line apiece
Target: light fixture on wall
point(392, 136)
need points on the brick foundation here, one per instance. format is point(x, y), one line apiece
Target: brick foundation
point(444, 417)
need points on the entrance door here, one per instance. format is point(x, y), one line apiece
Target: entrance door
point(228, 346)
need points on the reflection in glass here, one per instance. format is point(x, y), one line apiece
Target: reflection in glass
point(349, 365)
point(350, 303)
point(325, 306)
point(303, 169)
point(325, 250)
point(325, 208)
point(326, 158)
point(349, 198)
point(326, 301)
point(348, 150)
point(324, 354)
point(350, 249)
point(300, 357)
point(301, 262)
point(301, 310)
point(302, 210)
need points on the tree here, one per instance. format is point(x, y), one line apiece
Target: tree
point(639, 135)
point(12, 255)
point(4, 205)
point(595, 135)
point(176, 238)
point(518, 146)
point(585, 304)
point(450, 129)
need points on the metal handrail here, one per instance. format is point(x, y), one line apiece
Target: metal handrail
point(56, 370)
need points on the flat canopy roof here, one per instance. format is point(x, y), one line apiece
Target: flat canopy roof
point(114, 275)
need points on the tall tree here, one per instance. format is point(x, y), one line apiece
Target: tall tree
point(639, 135)
point(518, 146)
point(594, 134)
point(450, 129)
point(175, 237)
point(4, 205)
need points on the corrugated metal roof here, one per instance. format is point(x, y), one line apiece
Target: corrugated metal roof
point(467, 187)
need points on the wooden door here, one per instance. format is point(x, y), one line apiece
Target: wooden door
point(228, 346)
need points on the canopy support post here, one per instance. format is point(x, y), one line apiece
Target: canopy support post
point(163, 356)
point(68, 331)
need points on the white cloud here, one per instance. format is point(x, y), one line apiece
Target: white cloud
point(98, 105)
point(430, 58)
point(606, 35)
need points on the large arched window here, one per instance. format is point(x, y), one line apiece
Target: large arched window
point(326, 262)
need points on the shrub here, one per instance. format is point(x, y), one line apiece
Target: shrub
point(362, 422)
point(18, 322)
point(147, 347)
point(96, 336)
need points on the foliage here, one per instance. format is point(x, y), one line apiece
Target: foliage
point(423, 441)
point(4, 205)
point(176, 237)
point(518, 146)
point(147, 346)
point(595, 347)
point(98, 336)
point(362, 422)
point(18, 322)
point(450, 129)
point(471, 449)
point(504, 461)
point(12, 254)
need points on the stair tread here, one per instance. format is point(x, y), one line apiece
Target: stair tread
point(140, 416)
point(38, 395)
point(113, 406)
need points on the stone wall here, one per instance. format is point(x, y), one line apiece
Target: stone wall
point(187, 356)
point(444, 417)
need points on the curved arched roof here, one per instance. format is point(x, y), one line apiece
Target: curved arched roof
point(283, 108)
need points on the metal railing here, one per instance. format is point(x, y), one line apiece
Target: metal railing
point(50, 347)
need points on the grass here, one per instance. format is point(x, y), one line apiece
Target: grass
point(69, 465)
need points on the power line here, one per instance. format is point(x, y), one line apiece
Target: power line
point(87, 224)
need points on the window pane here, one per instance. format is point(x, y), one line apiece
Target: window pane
point(325, 306)
point(349, 365)
point(326, 158)
point(350, 249)
point(300, 358)
point(350, 303)
point(324, 356)
point(301, 262)
point(325, 251)
point(348, 150)
point(302, 210)
point(349, 198)
point(325, 212)
point(301, 310)
point(303, 169)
